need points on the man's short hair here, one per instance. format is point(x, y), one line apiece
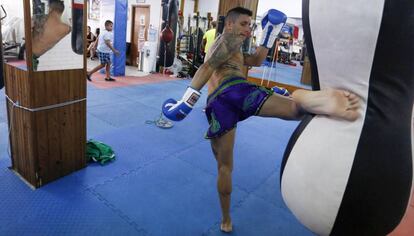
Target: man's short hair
point(108, 22)
point(234, 13)
point(56, 5)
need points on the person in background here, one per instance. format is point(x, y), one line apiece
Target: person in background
point(208, 38)
point(92, 47)
point(90, 38)
point(105, 49)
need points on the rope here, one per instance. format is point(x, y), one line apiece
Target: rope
point(10, 131)
point(16, 104)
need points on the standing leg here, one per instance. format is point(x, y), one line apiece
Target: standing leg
point(223, 151)
point(108, 70)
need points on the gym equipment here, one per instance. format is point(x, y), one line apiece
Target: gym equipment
point(357, 175)
point(77, 26)
point(1, 51)
point(170, 18)
point(12, 38)
point(220, 25)
point(189, 45)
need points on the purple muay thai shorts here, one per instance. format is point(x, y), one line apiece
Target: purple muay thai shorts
point(234, 100)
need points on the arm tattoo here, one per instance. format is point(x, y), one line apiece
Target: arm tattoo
point(223, 49)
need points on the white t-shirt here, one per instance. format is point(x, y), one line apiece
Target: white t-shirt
point(105, 35)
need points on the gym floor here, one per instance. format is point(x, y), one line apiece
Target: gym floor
point(163, 181)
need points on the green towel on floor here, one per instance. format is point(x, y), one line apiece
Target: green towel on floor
point(99, 152)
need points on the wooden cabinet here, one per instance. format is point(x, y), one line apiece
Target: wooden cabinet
point(46, 114)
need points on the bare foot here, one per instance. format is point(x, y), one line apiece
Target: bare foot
point(332, 102)
point(226, 227)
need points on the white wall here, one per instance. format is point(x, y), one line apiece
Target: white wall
point(14, 8)
point(292, 8)
point(205, 6)
point(13, 25)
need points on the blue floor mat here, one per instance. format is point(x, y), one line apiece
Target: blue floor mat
point(59, 208)
point(163, 181)
point(168, 201)
point(257, 217)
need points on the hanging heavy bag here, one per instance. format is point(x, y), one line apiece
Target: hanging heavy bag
point(77, 26)
point(1, 55)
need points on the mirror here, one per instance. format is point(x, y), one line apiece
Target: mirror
point(57, 34)
point(13, 34)
point(286, 61)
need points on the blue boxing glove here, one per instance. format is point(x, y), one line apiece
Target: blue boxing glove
point(272, 22)
point(178, 110)
point(281, 91)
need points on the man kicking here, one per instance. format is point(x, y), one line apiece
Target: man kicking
point(232, 98)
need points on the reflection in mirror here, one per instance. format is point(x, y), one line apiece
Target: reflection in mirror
point(12, 32)
point(286, 61)
point(52, 45)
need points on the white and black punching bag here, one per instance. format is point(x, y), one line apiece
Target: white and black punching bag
point(355, 178)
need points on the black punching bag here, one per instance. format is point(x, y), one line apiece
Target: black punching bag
point(1, 60)
point(77, 26)
point(1, 65)
point(169, 24)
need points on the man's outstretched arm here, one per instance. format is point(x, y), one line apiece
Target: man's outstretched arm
point(272, 22)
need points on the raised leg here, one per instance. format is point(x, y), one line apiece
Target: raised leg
point(332, 102)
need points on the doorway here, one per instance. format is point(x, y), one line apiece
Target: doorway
point(139, 31)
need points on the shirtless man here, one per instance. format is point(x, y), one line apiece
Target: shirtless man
point(48, 30)
point(232, 98)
